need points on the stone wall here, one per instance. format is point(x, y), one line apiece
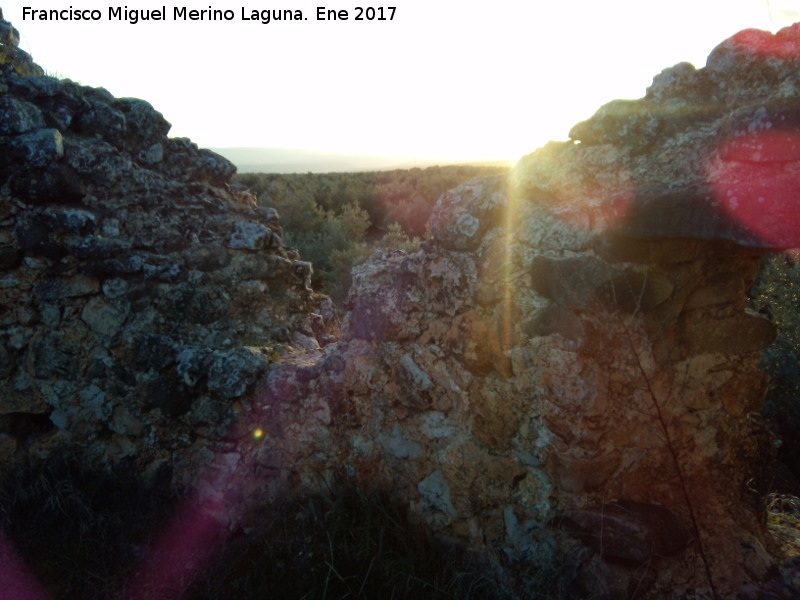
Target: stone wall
point(141, 293)
point(573, 347)
point(566, 368)
point(551, 373)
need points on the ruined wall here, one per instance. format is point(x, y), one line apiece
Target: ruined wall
point(570, 351)
point(574, 347)
point(140, 292)
point(553, 370)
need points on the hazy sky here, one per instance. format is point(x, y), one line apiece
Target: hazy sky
point(448, 79)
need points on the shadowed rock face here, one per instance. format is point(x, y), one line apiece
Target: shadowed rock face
point(571, 345)
point(578, 335)
point(629, 532)
point(141, 294)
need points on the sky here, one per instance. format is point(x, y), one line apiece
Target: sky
point(443, 79)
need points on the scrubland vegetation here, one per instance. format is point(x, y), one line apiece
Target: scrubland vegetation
point(336, 220)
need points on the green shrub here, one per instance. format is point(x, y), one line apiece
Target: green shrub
point(336, 220)
point(777, 295)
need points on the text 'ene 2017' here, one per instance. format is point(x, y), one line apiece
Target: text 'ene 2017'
point(362, 13)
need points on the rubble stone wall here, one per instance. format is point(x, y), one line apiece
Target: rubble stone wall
point(571, 350)
point(141, 293)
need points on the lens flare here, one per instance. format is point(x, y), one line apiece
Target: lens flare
point(785, 44)
point(16, 579)
point(756, 181)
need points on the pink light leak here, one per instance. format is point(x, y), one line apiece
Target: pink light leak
point(770, 146)
point(756, 181)
point(785, 44)
point(194, 537)
point(16, 580)
point(755, 177)
point(180, 555)
point(595, 207)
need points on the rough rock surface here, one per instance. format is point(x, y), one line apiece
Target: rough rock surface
point(570, 347)
point(579, 338)
point(141, 294)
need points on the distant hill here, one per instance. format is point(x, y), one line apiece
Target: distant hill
point(292, 160)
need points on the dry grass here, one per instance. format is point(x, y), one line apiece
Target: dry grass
point(83, 531)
